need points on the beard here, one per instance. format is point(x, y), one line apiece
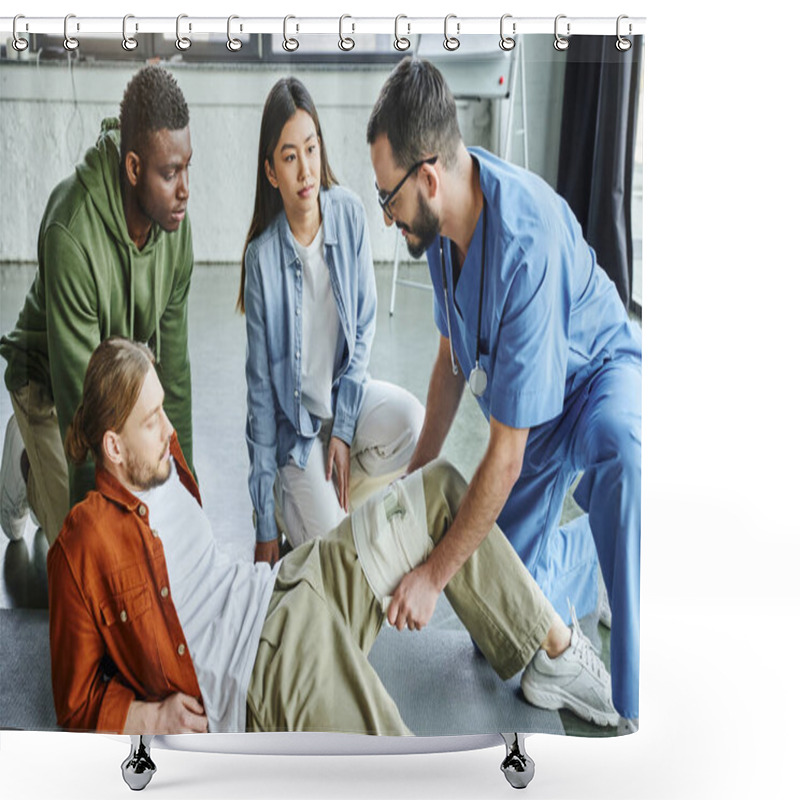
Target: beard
point(424, 228)
point(146, 476)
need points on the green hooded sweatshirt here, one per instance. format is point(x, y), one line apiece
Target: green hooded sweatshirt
point(93, 283)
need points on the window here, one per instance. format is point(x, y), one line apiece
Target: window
point(211, 48)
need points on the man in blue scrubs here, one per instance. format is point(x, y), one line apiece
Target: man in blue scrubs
point(526, 314)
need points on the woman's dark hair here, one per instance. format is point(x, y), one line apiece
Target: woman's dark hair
point(287, 97)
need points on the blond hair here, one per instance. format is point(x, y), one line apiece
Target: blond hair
point(111, 387)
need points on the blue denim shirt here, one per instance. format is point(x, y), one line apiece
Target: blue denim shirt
point(278, 425)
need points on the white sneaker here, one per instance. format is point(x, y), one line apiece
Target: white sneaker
point(13, 492)
point(577, 680)
point(627, 725)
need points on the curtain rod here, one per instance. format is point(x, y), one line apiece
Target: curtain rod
point(452, 26)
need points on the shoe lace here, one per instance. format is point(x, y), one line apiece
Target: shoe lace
point(584, 649)
point(575, 624)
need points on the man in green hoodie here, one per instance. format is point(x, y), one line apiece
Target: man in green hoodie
point(115, 258)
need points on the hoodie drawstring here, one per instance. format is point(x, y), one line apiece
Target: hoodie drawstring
point(154, 304)
point(131, 293)
point(156, 324)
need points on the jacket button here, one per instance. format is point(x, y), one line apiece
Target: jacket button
point(142, 510)
point(181, 649)
point(124, 616)
point(296, 393)
point(297, 354)
point(155, 533)
point(165, 592)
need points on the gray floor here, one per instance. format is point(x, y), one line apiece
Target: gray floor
point(403, 352)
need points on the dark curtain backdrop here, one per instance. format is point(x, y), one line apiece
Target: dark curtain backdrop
point(595, 164)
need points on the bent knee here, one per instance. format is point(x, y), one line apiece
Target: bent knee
point(442, 480)
point(414, 415)
point(617, 439)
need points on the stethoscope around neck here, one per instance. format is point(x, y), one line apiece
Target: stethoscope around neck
point(477, 377)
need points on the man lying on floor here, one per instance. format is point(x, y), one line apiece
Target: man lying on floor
point(154, 630)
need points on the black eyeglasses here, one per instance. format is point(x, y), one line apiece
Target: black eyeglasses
point(385, 199)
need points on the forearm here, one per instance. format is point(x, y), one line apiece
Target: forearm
point(71, 310)
point(414, 600)
point(482, 504)
point(483, 501)
point(177, 713)
point(350, 394)
point(261, 480)
point(444, 395)
point(261, 430)
point(142, 718)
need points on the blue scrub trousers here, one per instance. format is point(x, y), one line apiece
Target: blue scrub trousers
point(599, 433)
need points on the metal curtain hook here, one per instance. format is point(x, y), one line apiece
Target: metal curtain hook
point(182, 42)
point(289, 44)
point(233, 44)
point(622, 43)
point(19, 44)
point(70, 43)
point(401, 42)
point(345, 42)
point(507, 42)
point(451, 42)
point(128, 42)
point(560, 42)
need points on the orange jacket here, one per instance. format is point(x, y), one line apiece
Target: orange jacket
point(114, 632)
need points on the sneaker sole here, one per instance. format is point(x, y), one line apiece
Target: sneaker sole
point(14, 533)
point(13, 527)
point(556, 700)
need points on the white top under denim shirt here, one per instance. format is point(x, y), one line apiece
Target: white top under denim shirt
point(321, 326)
point(279, 426)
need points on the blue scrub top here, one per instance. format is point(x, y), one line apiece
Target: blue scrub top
point(551, 316)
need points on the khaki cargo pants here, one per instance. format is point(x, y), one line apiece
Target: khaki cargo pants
point(48, 479)
point(311, 671)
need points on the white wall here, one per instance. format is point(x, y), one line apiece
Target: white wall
point(541, 75)
point(50, 114)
